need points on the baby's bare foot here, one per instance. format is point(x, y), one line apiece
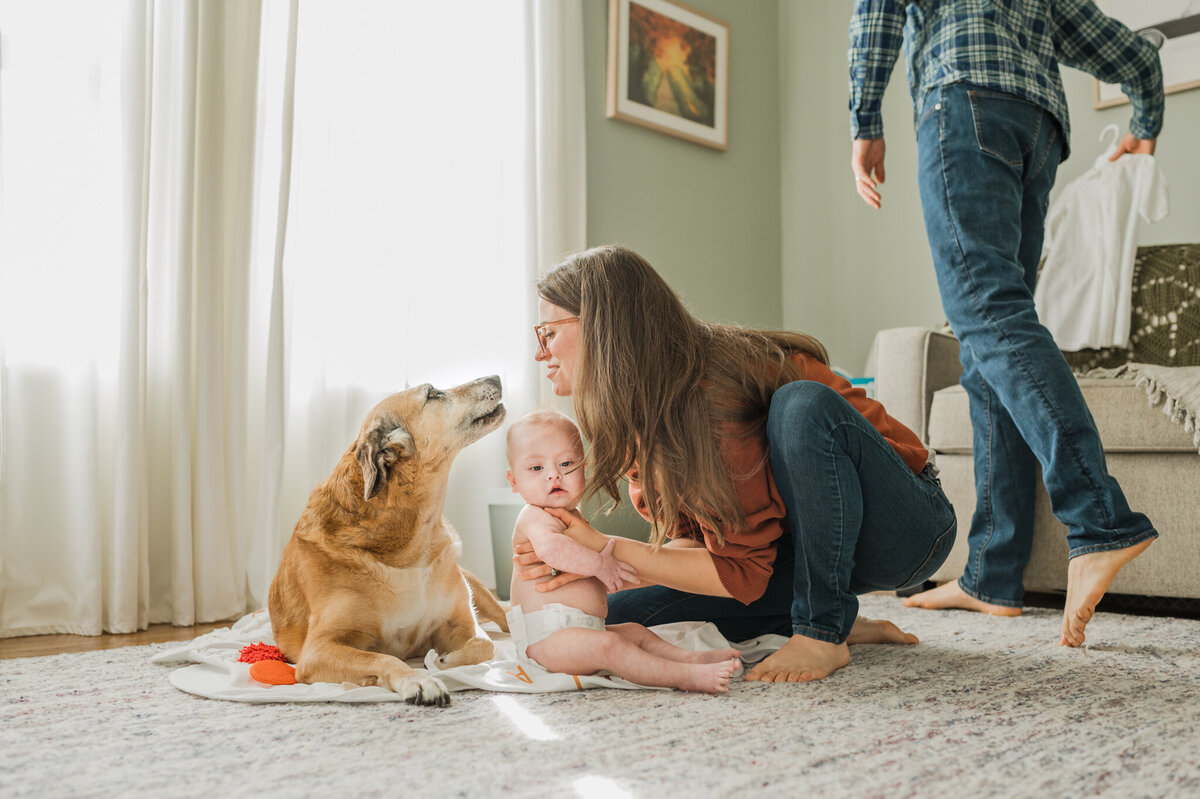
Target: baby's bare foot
point(950, 595)
point(801, 659)
point(1088, 577)
point(708, 678)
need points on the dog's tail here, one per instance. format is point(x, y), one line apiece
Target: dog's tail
point(486, 603)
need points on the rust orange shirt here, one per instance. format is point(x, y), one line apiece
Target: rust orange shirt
point(744, 564)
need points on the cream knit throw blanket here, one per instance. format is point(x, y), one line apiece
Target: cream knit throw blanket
point(1176, 387)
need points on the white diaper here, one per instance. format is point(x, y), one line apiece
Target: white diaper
point(529, 628)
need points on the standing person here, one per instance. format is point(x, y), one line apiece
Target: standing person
point(992, 127)
point(780, 490)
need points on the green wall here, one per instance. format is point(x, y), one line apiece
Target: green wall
point(707, 220)
point(848, 270)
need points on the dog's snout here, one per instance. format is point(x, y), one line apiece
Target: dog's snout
point(488, 387)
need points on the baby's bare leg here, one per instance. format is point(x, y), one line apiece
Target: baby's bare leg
point(646, 639)
point(580, 651)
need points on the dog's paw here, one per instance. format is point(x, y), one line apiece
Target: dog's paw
point(417, 690)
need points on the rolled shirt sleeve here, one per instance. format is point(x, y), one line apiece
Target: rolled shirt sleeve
point(876, 38)
point(745, 560)
point(1088, 40)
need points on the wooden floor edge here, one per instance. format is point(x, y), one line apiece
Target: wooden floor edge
point(31, 646)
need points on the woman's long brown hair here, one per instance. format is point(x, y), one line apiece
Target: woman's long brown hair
point(656, 387)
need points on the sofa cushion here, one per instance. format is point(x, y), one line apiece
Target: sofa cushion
point(1159, 484)
point(1126, 420)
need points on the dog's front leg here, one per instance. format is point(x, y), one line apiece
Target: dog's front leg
point(456, 641)
point(334, 662)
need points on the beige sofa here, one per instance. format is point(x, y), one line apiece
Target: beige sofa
point(1155, 460)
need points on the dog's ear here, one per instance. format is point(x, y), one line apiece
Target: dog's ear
point(382, 445)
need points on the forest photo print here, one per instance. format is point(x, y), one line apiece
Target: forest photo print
point(672, 66)
point(669, 69)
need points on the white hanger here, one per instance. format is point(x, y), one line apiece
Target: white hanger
point(1102, 159)
point(1116, 135)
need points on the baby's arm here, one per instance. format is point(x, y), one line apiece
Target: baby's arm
point(561, 552)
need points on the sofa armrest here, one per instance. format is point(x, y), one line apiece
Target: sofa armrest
point(911, 363)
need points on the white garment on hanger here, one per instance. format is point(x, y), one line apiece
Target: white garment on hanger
point(1084, 294)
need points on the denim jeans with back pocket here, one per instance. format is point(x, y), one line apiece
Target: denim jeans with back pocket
point(987, 162)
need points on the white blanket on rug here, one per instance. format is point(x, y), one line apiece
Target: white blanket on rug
point(215, 672)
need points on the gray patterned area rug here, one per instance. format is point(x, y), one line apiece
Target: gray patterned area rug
point(981, 707)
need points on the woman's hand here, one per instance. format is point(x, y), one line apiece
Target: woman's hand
point(531, 567)
point(578, 528)
point(564, 555)
point(615, 574)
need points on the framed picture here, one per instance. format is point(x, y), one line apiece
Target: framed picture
point(1174, 27)
point(668, 69)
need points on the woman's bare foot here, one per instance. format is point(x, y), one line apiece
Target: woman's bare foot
point(707, 678)
point(801, 659)
point(878, 631)
point(1088, 577)
point(950, 595)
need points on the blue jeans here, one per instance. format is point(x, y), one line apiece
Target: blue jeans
point(858, 519)
point(987, 162)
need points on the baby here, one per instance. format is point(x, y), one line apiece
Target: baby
point(564, 630)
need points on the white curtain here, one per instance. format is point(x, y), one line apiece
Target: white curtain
point(226, 230)
point(558, 212)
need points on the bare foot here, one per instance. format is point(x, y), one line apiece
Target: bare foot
point(950, 595)
point(1088, 577)
point(878, 631)
point(708, 678)
point(709, 656)
point(801, 659)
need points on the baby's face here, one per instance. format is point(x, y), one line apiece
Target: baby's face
point(546, 466)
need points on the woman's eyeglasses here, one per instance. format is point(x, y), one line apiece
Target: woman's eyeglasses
point(543, 335)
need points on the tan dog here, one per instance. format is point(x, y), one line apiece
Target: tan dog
point(370, 576)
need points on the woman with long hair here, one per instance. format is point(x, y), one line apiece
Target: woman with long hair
point(776, 492)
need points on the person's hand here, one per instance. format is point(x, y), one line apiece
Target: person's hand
point(866, 162)
point(530, 567)
point(1132, 144)
point(612, 572)
point(578, 528)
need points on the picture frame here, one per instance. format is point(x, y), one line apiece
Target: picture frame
point(1174, 26)
point(668, 70)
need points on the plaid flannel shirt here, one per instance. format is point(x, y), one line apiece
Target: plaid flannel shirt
point(1012, 46)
